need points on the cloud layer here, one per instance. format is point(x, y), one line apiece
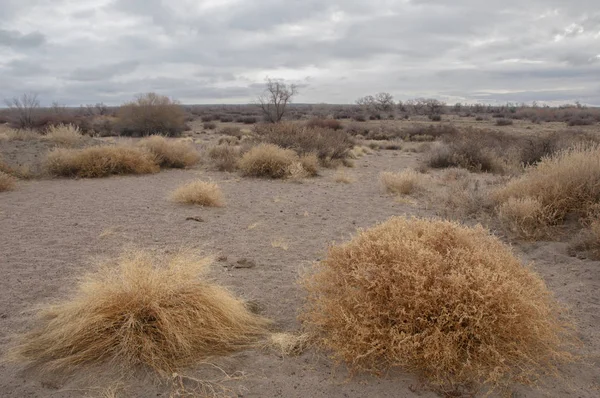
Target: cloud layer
point(220, 51)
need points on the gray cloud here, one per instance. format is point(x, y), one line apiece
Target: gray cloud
point(218, 51)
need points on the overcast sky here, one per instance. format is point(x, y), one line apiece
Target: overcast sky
point(220, 51)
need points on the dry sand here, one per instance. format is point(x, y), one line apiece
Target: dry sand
point(50, 229)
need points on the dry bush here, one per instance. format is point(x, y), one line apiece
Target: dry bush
point(100, 161)
point(171, 153)
point(404, 183)
point(566, 182)
point(267, 160)
point(199, 193)
point(524, 217)
point(151, 114)
point(432, 132)
point(7, 182)
point(209, 125)
point(20, 135)
point(343, 177)
point(64, 135)
point(463, 197)
point(449, 302)
point(325, 123)
point(225, 157)
point(327, 144)
point(141, 311)
point(310, 163)
point(233, 131)
point(504, 122)
point(587, 241)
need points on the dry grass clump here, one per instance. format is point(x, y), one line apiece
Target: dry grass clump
point(100, 161)
point(588, 240)
point(7, 182)
point(267, 160)
point(141, 311)
point(310, 163)
point(171, 153)
point(224, 157)
point(524, 217)
point(64, 134)
point(20, 135)
point(343, 177)
point(199, 193)
point(449, 302)
point(151, 113)
point(566, 182)
point(403, 183)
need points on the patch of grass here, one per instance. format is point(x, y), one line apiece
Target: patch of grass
point(342, 176)
point(141, 311)
point(404, 183)
point(524, 217)
point(7, 182)
point(225, 157)
point(66, 135)
point(100, 161)
point(199, 193)
point(267, 160)
point(171, 153)
point(449, 302)
point(310, 163)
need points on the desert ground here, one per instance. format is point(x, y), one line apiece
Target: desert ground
point(266, 236)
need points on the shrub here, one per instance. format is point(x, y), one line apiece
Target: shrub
point(207, 118)
point(310, 163)
point(100, 161)
point(504, 122)
point(267, 160)
point(449, 302)
point(169, 152)
point(578, 121)
point(209, 126)
point(435, 118)
point(566, 182)
point(325, 123)
point(225, 157)
point(435, 131)
point(588, 241)
point(151, 114)
point(343, 177)
point(404, 183)
point(232, 131)
point(142, 311)
point(199, 193)
point(7, 182)
point(64, 135)
point(248, 119)
point(226, 119)
point(526, 218)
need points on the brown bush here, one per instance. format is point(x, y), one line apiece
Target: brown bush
point(199, 193)
point(325, 123)
point(141, 311)
point(100, 161)
point(209, 125)
point(7, 182)
point(310, 163)
point(449, 302)
point(225, 157)
point(64, 135)
point(170, 153)
point(403, 183)
point(504, 122)
point(151, 114)
point(267, 160)
point(233, 131)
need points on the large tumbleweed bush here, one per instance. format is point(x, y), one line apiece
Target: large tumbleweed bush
point(449, 302)
point(141, 311)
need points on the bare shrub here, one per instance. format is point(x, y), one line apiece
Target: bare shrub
point(100, 161)
point(587, 241)
point(225, 157)
point(504, 122)
point(343, 176)
point(209, 125)
point(151, 114)
point(310, 163)
point(464, 197)
point(449, 302)
point(404, 183)
point(21, 135)
point(435, 131)
point(24, 111)
point(526, 218)
point(64, 135)
point(325, 123)
point(248, 120)
point(233, 131)
point(199, 193)
point(141, 311)
point(267, 160)
point(171, 153)
point(7, 182)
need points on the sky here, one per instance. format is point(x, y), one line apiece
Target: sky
point(220, 51)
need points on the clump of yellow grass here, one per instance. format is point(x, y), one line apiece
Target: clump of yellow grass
point(404, 182)
point(199, 193)
point(449, 302)
point(141, 311)
point(171, 152)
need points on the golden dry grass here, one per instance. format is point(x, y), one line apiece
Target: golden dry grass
point(525, 217)
point(449, 302)
point(225, 157)
point(19, 135)
point(343, 176)
point(100, 161)
point(170, 152)
point(567, 182)
point(200, 193)
point(64, 135)
point(7, 182)
point(267, 160)
point(310, 164)
point(141, 311)
point(405, 182)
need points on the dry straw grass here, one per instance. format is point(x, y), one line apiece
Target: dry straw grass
point(343, 177)
point(66, 135)
point(100, 161)
point(267, 160)
point(199, 193)
point(225, 157)
point(404, 182)
point(20, 135)
point(566, 182)
point(7, 182)
point(449, 302)
point(171, 153)
point(141, 312)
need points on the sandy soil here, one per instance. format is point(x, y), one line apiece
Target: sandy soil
point(50, 229)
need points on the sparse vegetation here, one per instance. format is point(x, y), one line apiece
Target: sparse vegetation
point(151, 114)
point(200, 193)
point(449, 302)
point(64, 135)
point(7, 182)
point(141, 311)
point(403, 183)
point(325, 124)
point(171, 153)
point(267, 160)
point(224, 157)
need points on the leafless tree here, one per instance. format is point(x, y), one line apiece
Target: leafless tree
point(24, 110)
point(274, 100)
point(384, 102)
